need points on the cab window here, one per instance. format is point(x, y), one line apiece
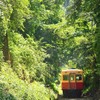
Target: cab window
point(65, 77)
point(72, 77)
point(78, 77)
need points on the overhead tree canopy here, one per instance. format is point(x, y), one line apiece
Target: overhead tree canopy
point(39, 37)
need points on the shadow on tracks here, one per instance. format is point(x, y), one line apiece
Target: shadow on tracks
point(60, 97)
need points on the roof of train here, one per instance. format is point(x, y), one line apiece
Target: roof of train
point(72, 70)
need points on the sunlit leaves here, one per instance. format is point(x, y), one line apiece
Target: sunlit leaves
point(12, 88)
point(83, 15)
point(80, 40)
point(19, 14)
point(27, 53)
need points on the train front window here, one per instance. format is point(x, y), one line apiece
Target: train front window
point(65, 77)
point(78, 77)
point(72, 77)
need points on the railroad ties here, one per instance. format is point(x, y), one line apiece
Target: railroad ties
point(60, 97)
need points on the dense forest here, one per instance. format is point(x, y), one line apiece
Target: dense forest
point(38, 38)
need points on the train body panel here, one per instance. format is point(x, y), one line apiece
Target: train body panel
point(65, 85)
point(79, 85)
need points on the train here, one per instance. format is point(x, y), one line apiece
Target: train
point(72, 82)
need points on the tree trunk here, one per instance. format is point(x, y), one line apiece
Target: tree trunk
point(6, 53)
point(97, 46)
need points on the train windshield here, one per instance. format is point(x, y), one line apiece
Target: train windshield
point(72, 77)
point(65, 77)
point(78, 77)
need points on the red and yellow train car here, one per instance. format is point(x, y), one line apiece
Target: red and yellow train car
point(72, 82)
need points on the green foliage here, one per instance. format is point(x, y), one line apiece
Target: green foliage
point(19, 13)
point(83, 15)
point(13, 14)
point(28, 57)
point(13, 88)
point(88, 75)
point(44, 35)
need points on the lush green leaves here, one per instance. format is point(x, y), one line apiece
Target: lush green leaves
point(41, 37)
point(13, 88)
point(83, 15)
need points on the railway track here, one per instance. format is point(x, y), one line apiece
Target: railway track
point(60, 97)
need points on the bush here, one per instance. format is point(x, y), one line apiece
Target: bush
point(27, 57)
point(13, 88)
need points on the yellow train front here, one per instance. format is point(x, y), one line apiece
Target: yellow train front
point(72, 82)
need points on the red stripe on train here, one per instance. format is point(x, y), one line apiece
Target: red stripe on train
point(73, 85)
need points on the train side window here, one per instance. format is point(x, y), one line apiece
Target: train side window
point(65, 77)
point(78, 77)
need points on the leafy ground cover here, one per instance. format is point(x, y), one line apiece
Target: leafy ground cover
point(13, 88)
